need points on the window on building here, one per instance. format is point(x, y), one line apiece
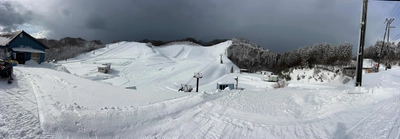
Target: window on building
point(35, 57)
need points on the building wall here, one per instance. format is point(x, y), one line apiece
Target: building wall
point(26, 41)
point(42, 57)
point(28, 57)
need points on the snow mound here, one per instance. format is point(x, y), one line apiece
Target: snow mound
point(31, 63)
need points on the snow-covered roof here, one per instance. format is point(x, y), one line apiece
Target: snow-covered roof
point(219, 83)
point(6, 38)
point(368, 63)
point(27, 50)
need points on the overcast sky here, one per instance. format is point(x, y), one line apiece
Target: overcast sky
point(278, 25)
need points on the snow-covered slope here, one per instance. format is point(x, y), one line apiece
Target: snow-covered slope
point(154, 69)
point(46, 101)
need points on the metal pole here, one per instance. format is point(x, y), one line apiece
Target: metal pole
point(198, 76)
point(388, 41)
point(197, 85)
point(361, 44)
point(383, 44)
point(387, 29)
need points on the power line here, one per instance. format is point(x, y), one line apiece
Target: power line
point(377, 31)
point(396, 8)
point(397, 37)
point(396, 14)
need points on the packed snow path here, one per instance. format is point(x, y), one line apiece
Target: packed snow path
point(46, 103)
point(19, 117)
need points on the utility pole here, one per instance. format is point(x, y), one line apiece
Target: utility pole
point(387, 29)
point(388, 42)
point(361, 43)
point(198, 76)
point(221, 59)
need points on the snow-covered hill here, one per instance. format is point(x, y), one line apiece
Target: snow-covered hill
point(71, 99)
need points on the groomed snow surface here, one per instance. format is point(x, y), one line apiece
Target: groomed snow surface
point(71, 99)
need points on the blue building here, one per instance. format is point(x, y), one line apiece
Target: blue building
point(222, 86)
point(22, 47)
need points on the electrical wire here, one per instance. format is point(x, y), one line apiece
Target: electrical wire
point(396, 8)
point(376, 32)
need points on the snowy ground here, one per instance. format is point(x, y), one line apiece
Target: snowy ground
point(72, 100)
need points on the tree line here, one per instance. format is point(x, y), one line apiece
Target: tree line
point(385, 53)
point(69, 47)
point(254, 58)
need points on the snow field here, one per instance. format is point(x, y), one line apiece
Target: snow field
point(72, 100)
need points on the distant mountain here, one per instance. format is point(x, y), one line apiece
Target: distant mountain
point(192, 40)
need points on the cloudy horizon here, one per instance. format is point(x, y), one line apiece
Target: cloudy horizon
point(275, 25)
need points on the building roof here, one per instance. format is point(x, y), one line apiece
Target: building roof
point(220, 83)
point(368, 63)
point(7, 38)
point(27, 50)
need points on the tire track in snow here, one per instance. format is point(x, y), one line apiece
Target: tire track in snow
point(375, 124)
point(395, 133)
point(18, 113)
point(47, 119)
point(387, 113)
point(365, 118)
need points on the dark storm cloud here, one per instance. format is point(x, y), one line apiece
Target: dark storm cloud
point(95, 22)
point(63, 11)
point(12, 14)
point(278, 25)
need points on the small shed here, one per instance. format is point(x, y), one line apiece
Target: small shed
point(222, 86)
point(22, 47)
point(243, 70)
point(369, 66)
point(104, 68)
point(273, 78)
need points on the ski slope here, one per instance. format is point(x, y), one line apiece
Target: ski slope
point(71, 99)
